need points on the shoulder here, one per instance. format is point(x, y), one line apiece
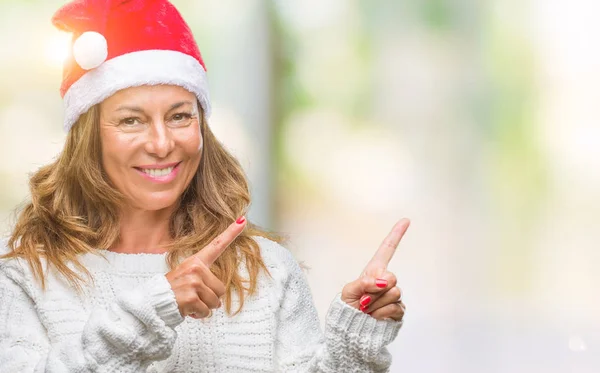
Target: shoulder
point(9, 265)
point(16, 271)
point(274, 254)
point(4, 249)
point(289, 287)
point(13, 271)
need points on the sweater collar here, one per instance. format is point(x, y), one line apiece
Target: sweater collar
point(108, 261)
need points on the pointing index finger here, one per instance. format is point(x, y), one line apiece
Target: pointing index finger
point(386, 250)
point(217, 246)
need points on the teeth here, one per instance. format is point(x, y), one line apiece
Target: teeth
point(154, 172)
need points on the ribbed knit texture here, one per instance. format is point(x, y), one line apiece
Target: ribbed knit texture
point(129, 322)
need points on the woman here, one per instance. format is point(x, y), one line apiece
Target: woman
point(136, 233)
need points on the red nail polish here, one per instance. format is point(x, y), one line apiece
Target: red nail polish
point(363, 308)
point(240, 220)
point(381, 283)
point(365, 301)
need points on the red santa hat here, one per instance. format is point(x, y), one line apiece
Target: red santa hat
point(126, 43)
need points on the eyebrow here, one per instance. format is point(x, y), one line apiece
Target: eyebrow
point(140, 110)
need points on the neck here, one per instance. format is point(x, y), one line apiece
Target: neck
point(143, 231)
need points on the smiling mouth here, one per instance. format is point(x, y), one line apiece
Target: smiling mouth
point(157, 172)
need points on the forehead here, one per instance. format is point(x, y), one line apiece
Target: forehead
point(150, 95)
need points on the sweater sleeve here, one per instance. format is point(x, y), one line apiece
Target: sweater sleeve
point(352, 342)
point(126, 336)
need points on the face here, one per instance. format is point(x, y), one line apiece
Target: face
point(151, 143)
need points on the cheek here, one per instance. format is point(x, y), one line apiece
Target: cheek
point(192, 143)
point(111, 162)
point(114, 153)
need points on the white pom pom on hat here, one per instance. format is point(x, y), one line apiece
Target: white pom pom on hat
point(90, 50)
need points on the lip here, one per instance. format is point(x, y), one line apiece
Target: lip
point(158, 165)
point(159, 179)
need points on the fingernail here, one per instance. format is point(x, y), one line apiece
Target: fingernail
point(381, 283)
point(365, 301)
point(364, 308)
point(240, 220)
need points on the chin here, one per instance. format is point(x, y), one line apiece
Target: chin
point(156, 201)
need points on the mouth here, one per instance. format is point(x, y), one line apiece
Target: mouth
point(159, 173)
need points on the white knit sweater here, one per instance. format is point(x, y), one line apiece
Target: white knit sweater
point(129, 322)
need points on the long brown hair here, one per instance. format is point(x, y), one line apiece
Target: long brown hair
point(74, 210)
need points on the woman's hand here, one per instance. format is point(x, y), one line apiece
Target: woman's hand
point(196, 288)
point(375, 292)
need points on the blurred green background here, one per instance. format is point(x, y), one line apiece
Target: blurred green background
point(476, 119)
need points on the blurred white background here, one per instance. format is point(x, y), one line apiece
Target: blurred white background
point(476, 119)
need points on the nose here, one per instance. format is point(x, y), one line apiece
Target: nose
point(160, 140)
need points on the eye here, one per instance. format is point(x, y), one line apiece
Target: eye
point(180, 117)
point(131, 121)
